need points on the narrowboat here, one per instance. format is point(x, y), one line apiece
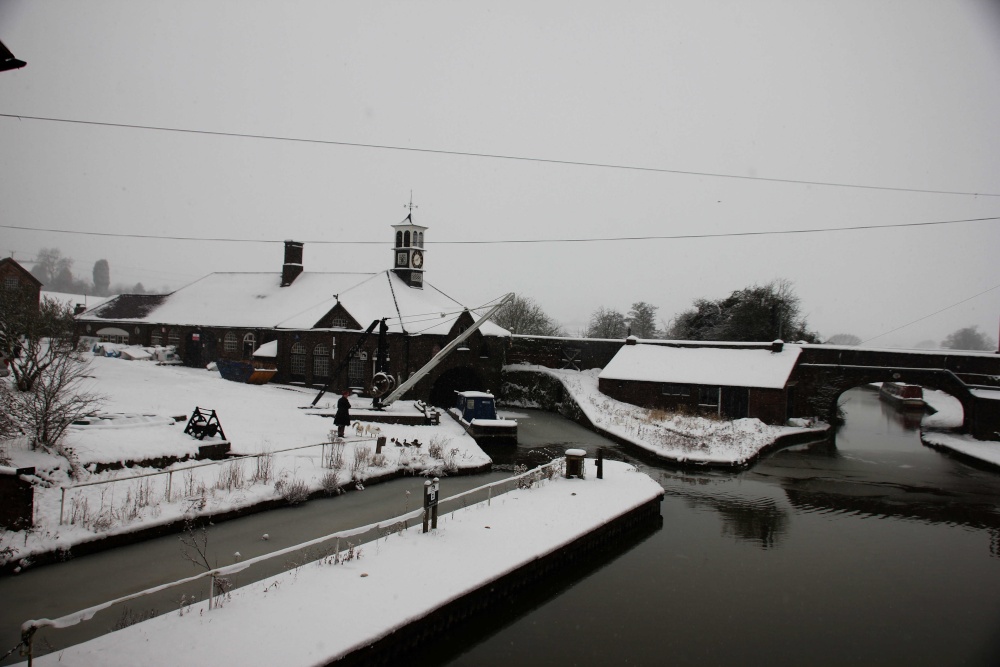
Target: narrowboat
point(902, 395)
point(476, 411)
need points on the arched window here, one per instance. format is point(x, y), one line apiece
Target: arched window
point(249, 343)
point(321, 361)
point(406, 238)
point(174, 338)
point(420, 239)
point(230, 342)
point(399, 239)
point(298, 365)
point(356, 370)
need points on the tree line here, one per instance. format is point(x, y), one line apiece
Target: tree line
point(55, 272)
point(757, 313)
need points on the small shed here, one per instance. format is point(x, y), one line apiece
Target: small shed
point(475, 405)
point(729, 382)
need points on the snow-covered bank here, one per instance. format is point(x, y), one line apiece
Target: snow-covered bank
point(296, 618)
point(948, 414)
point(680, 438)
point(143, 398)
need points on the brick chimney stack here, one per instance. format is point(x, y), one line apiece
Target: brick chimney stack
point(292, 267)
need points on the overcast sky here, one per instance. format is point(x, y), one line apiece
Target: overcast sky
point(902, 95)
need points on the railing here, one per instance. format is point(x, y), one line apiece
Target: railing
point(220, 580)
point(170, 473)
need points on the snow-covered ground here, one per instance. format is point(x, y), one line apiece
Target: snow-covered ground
point(949, 415)
point(296, 618)
point(681, 438)
point(141, 400)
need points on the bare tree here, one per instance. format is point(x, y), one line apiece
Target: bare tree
point(607, 323)
point(56, 399)
point(968, 338)
point(33, 338)
point(843, 339)
point(521, 315)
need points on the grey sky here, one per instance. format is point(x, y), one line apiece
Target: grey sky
point(897, 94)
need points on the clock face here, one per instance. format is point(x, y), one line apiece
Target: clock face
point(418, 259)
point(400, 259)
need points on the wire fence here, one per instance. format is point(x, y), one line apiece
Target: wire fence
point(217, 584)
point(144, 492)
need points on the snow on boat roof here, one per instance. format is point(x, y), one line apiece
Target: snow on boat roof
point(703, 365)
point(475, 394)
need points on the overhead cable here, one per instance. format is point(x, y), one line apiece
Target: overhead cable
point(497, 156)
point(604, 239)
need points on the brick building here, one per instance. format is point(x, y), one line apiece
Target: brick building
point(731, 383)
point(16, 278)
point(316, 317)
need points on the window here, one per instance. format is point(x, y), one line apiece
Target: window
point(708, 397)
point(298, 365)
point(10, 282)
point(113, 335)
point(321, 361)
point(156, 338)
point(399, 239)
point(174, 338)
point(249, 343)
point(676, 390)
point(356, 369)
point(406, 239)
point(339, 323)
point(230, 342)
point(418, 239)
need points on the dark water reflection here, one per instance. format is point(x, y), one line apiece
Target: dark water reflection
point(871, 549)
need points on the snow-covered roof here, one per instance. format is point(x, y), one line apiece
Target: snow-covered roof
point(258, 301)
point(703, 365)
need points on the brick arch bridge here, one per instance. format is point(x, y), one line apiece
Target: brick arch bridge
point(821, 374)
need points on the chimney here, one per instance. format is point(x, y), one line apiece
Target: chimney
point(292, 267)
point(777, 345)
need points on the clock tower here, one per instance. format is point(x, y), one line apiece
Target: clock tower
point(408, 252)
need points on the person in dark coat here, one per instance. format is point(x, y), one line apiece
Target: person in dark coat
point(343, 416)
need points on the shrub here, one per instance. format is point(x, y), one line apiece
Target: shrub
point(294, 491)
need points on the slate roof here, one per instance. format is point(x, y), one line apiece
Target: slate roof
point(703, 365)
point(125, 307)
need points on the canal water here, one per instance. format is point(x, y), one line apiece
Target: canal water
point(872, 549)
point(868, 549)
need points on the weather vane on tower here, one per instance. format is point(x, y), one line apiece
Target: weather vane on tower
point(411, 205)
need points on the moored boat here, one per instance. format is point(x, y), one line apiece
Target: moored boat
point(902, 394)
point(477, 413)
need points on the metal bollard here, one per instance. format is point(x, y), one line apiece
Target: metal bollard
point(431, 503)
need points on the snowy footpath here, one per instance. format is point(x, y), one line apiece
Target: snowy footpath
point(680, 438)
point(144, 413)
point(298, 618)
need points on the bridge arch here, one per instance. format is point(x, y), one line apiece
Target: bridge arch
point(825, 385)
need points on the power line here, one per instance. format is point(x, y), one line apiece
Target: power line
point(672, 237)
point(936, 312)
point(496, 156)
